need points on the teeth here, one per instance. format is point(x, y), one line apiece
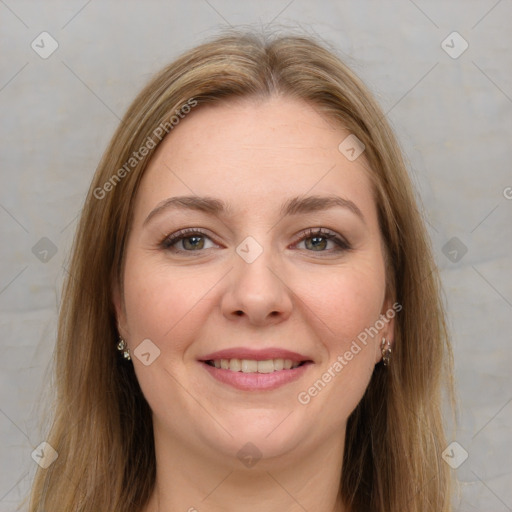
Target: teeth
point(235, 365)
point(249, 366)
point(266, 366)
point(278, 364)
point(253, 366)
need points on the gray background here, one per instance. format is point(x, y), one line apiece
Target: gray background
point(452, 116)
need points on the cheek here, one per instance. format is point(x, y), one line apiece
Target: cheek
point(347, 302)
point(160, 302)
point(346, 307)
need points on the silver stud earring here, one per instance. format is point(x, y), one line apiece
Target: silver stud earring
point(123, 347)
point(385, 348)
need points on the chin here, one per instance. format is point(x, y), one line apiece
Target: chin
point(268, 433)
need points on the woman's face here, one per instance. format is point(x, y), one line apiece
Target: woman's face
point(263, 277)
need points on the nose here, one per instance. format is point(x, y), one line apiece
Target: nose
point(257, 292)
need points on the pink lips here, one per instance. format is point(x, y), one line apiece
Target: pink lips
point(256, 381)
point(258, 355)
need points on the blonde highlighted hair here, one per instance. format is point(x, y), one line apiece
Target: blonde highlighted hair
point(102, 427)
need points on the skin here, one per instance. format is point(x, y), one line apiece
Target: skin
point(253, 154)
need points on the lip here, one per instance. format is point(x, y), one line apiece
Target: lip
point(257, 355)
point(256, 381)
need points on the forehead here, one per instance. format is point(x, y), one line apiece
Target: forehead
point(256, 152)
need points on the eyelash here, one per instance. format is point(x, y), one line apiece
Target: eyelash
point(342, 245)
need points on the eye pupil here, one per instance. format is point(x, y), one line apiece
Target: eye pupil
point(318, 242)
point(198, 242)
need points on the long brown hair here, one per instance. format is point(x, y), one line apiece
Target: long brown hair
point(102, 427)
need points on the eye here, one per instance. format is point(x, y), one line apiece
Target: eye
point(191, 240)
point(318, 240)
point(195, 240)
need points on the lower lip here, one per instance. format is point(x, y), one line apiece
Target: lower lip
point(256, 381)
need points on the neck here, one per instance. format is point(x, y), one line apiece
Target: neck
point(190, 482)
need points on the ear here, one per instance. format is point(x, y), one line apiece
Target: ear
point(390, 309)
point(120, 311)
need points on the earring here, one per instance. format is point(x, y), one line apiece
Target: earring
point(385, 348)
point(123, 347)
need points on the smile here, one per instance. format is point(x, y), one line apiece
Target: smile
point(247, 369)
point(254, 366)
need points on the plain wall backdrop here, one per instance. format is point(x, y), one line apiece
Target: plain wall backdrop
point(448, 96)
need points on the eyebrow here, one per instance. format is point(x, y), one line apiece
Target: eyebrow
point(294, 206)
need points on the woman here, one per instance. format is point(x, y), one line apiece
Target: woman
point(252, 320)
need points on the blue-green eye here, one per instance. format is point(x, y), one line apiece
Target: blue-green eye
point(319, 241)
point(196, 240)
point(191, 240)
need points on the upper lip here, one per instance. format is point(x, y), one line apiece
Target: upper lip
point(258, 355)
